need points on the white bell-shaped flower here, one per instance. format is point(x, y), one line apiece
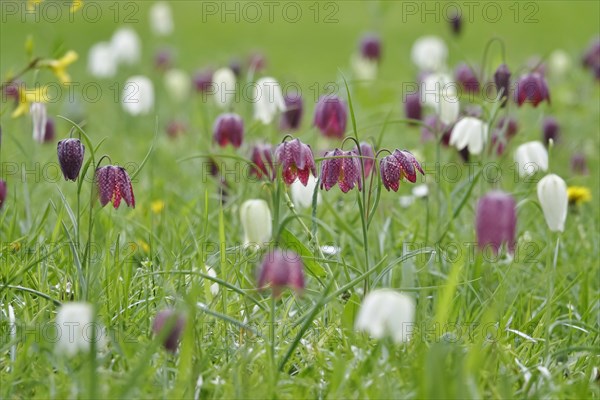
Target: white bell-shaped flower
point(224, 84)
point(76, 330)
point(531, 157)
point(138, 95)
point(161, 18)
point(256, 220)
point(429, 53)
point(126, 46)
point(554, 199)
point(101, 60)
point(268, 100)
point(471, 133)
point(387, 313)
point(39, 119)
point(364, 69)
point(178, 84)
point(302, 196)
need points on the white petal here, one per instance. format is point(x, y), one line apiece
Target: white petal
point(161, 18)
point(138, 95)
point(554, 199)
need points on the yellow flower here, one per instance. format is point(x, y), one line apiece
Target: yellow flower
point(144, 246)
point(59, 67)
point(32, 3)
point(27, 96)
point(75, 5)
point(157, 206)
point(579, 194)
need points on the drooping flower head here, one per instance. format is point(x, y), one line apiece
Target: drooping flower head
point(554, 199)
point(456, 23)
point(579, 164)
point(496, 221)
point(169, 325)
point(370, 47)
point(138, 95)
point(262, 161)
point(39, 119)
point(532, 88)
point(401, 164)
point(203, 80)
point(229, 128)
point(502, 81)
point(429, 53)
point(256, 220)
point(163, 59)
point(342, 168)
point(281, 269)
point(161, 19)
point(368, 157)
point(412, 106)
point(331, 115)
point(292, 116)
point(550, 130)
point(268, 100)
point(296, 160)
point(126, 46)
point(531, 157)
point(70, 157)
point(387, 313)
point(467, 78)
point(470, 133)
point(114, 185)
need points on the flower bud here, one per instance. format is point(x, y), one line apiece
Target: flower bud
point(163, 59)
point(370, 47)
point(281, 269)
point(268, 100)
point(203, 80)
point(412, 106)
point(387, 313)
point(532, 88)
point(470, 133)
point(496, 221)
point(553, 197)
point(3, 192)
point(368, 157)
point(331, 116)
point(229, 128)
point(257, 223)
point(50, 131)
point(176, 128)
point(531, 157)
point(456, 23)
point(292, 116)
point(70, 157)
point(114, 185)
point(467, 78)
point(169, 325)
point(579, 164)
point(550, 130)
point(502, 81)
point(39, 119)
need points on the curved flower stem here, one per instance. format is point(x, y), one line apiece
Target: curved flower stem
point(485, 54)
